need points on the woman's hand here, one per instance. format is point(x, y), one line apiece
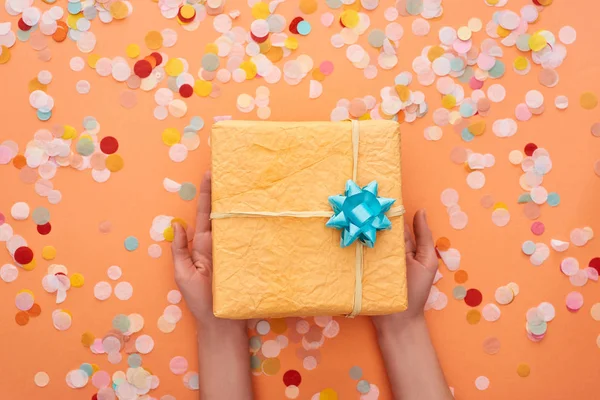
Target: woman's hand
point(421, 266)
point(223, 358)
point(411, 363)
point(193, 269)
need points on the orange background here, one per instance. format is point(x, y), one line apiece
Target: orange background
point(564, 364)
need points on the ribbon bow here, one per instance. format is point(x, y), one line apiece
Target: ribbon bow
point(360, 213)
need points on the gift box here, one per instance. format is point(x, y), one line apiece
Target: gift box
point(276, 249)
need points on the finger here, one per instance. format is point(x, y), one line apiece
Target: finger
point(409, 242)
point(182, 260)
point(204, 199)
point(425, 248)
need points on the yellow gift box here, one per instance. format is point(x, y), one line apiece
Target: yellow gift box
point(273, 256)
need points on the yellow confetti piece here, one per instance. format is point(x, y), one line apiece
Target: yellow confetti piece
point(291, 43)
point(4, 55)
point(308, 6)
point(473, 317)
point(87, 339)
point(34, 84)
point(328, 394)
point(26, 291)
point(318, 75)
point(187, 11)
point(250, 68)
point(435, 52)
point(500, 205)
point(174, 67)
point(365, 117)
point(92, 60)
point(448, 101)
point(523, 370)
point(171, 136)
point(119, 10)
point(211, 48)
point(180, 222)
point(502, 32)
point(403, 92)
point(133, 50)
point(477, 128)
point(492, 2)
point(169, 234)
point(521, 63)
point(202, 88)
point(77, 280)
point(154, 40)
point(48, 252)
point(260, 10)
point(588, 100)
point(275, 54)
point(96, 368)
point(72, 20)
point(69, 132)
point(31, 266)
point(114, 163)
point(265, 46)
point(537, 42)
point(349, 18)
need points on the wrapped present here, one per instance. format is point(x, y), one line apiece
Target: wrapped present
point(307, 219)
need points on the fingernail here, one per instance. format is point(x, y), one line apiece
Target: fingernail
point(424, 213)
point(175, 228)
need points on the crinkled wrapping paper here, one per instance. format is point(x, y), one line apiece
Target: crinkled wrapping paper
point(286, 266)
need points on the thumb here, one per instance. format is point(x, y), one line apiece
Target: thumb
point(182, 259)
point(425, 251)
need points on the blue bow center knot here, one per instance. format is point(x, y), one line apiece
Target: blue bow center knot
point(359, 214)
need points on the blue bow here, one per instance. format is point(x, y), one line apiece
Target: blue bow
point(359, 213)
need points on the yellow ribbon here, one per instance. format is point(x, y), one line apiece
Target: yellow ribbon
point(393, 212)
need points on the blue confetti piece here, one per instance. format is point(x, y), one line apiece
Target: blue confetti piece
point(466, 135)
point(304, 28)
point(131, 243)
point(553, 199)
point(44, 116)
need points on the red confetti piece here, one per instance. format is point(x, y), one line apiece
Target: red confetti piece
point(23, 255)
point(259, 39)
point(157, 57)
point(294, 24)
point(595, 263)
point(473, 298)
point(292, 377)
point(142, 68)
point(530, 148)
point(186, 90)
point(44, 229)
point(22, 25)
point(109, 145)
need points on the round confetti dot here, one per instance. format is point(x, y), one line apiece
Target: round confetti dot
point(20, 211)
point(473, 317)
point(123, 290)
point(109, 145)
point(23, 255)
point(482, 383)
point(473, 298)
point(41, 379)
point(187, 191)
point(491, 346)
point(356, 372)
point(538, 228)
point(102, 290)
point(292, 377)
point(574, 301)
point(523, 370)
point(48, 253)
point(588, 101)
point(131, 243)
point(178, 365)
